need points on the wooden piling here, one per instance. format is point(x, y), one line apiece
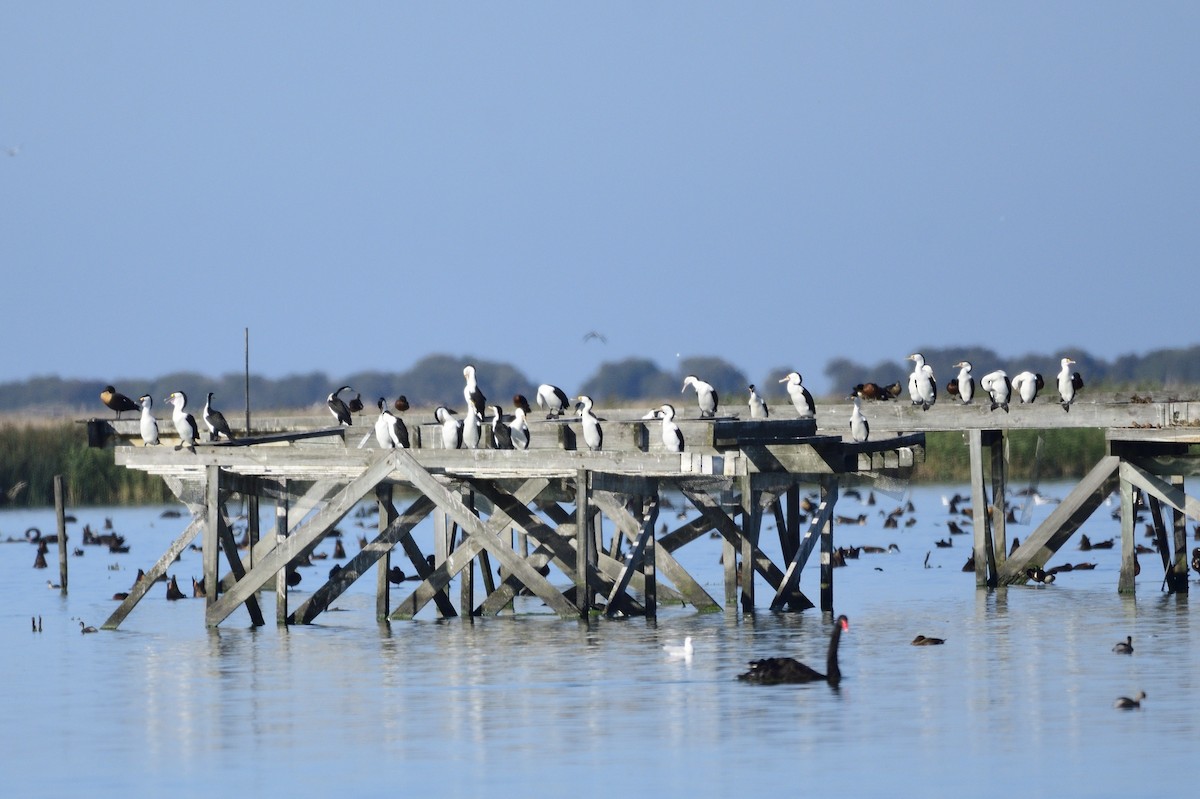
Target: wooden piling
point(60, 513)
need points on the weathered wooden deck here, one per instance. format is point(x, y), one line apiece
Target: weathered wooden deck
point(528, 510)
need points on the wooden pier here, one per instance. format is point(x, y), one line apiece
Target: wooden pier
point(503, 519)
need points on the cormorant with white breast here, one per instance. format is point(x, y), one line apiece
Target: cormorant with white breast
point(553, 399)
point(117, 401)
point(185, 423)
point(860, 428)
point(799, 395)
point(1069, 384)
point(758, 406)
point(215, 421)
point(672, 436)
point(593, 433)
point(149, 426)
point(471, 392)
point(706, 396)
point(390, 430)
point(472, 428)
point(451, 427)
point(1027, 385)
point(501, 433)
point(966, 383)
point(922, 387)
point(998, 387)
point(338, 408)
point(519, 427)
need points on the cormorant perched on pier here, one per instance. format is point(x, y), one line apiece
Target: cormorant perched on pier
point(471, 392)
point(593, 433)
point(860, 428)
point(519, 429)
point(185, 423)
point(390, 431)
point(149, 425)
point(451, 427)
point(672, 436)
point(758, 406)
point(998, 387)
point(799, 395)
point(501, 434)
point(966, 383)
point(922, 387)
point(706, 396)
point(117, 401)
point(215, 420)
point(338, 408)
point(1027, 385)
point(553, 399)
point(1069, 384)
point(772, 671)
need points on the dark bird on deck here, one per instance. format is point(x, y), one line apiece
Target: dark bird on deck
point(355, 405)
point(338, 407)
point(215, 420)
point(118, 401)
point(777, 670)
point(871, 391)
point(401, 403)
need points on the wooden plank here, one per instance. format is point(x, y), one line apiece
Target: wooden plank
point(1171, 495)
point(399, 526)
point(315, 528)
point(434, 582)
point(684, 583)
point(229, 546)
point(1063, 521)
point(424, 482)
point(150, 578)
point(636, 552)
point(787, 589)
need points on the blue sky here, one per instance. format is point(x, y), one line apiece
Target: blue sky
point(773, 183)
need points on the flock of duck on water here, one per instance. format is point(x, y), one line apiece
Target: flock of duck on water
point(391, 432)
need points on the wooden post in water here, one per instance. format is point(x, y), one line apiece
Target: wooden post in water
point(281, 534)
point(583, 539)
point(985, 551)
point(648, 568)
point(829, 498)
point(999, 447)
point(751, 524)
point(466, 577)
point(212, 530)
point(387, 515)
point(1125, 582)
point(442, 532)
point(60, 512)
point(1177, 579)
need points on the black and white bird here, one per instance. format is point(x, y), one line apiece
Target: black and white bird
point(758, 406)
point(998, 387)
point(519, 427)
point(390, 430)
point(501, 433)
point(593, 433)
point(471, 392)
point(799, 395)
point(472, 428)
point(214, 420)
point(338, 408)
point(149, 426)
point(860, 428)
point(966, 383)
point(452, 428)
point(1027, 385)
point(706, 396)
point(553, 399)
point(117, 401)
point(1069, 384)
point(672, 436)
point(185, 423)
point(922, 387)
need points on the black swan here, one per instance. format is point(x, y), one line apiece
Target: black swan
point(774, 671)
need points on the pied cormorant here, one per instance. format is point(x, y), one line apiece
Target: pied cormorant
point(1027, 385)
point(799, 395)
point(966, 383)
point(860, 428)
point(452, 429)
point(922, 387)
point(501, 434)
point(471, 392)
point(706, 396)
point(553, 399)
point(758, 406)
point(185, 423)
point(593, 433)
point(672, 436)
point(390, 431)
point(1069, 384)
point(215, 421)
point(149, 427)
point(998, 387)
point(519, 428)
point(338, 408)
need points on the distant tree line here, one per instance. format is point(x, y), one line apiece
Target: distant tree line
point(438, 378)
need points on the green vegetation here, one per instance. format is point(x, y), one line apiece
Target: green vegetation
point(1066, 453)
point(32, 453)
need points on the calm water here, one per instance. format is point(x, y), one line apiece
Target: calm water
point(1019, 700)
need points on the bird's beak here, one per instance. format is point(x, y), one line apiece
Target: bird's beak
point(783, 380)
